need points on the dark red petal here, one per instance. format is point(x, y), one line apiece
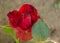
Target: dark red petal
point(29, 9)
point(25, 8)
point(13, 18)
point(12, 14)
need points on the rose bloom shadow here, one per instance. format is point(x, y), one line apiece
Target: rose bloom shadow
point(23, 20)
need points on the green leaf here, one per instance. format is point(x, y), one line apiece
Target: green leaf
point(8, 30)
point(40, 31)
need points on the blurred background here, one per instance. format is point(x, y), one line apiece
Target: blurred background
point(46, 9)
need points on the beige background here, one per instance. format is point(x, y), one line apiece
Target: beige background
point(46, 10)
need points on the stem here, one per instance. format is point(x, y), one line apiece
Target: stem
point(16, 39)
point(40, 41)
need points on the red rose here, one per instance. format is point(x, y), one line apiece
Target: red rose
point(23, 20)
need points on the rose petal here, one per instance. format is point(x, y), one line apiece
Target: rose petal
point(26, 35)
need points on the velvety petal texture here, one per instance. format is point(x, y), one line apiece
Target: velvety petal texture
point(23, 20)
